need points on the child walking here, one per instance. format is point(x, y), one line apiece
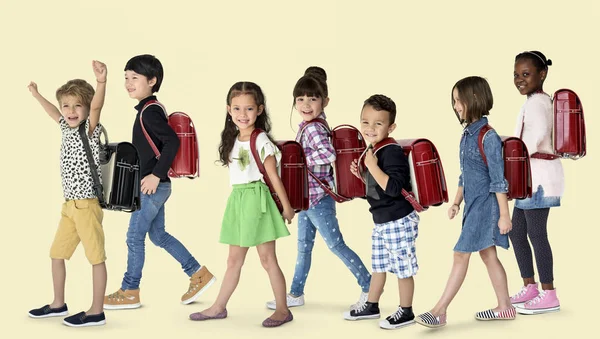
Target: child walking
point(486, 220)
point(81, 215)
point(396, 222)
point(530, 216)
point(310, 98)
point(251, 216)
point(143, 78)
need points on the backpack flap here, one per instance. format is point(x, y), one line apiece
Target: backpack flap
point(293, 174)
point(187, 161)
point(517, 168)
point(569, 125)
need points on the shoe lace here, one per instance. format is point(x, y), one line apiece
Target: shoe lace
point(538, 299)
point(360, 307)
point(362, 300)
point(396, 316)
point(194, 282)
point(115, 295)
point(520, 293)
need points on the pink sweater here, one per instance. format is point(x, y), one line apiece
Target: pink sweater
point(537, 135)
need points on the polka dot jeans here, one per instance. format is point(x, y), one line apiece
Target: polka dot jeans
point(322, 218)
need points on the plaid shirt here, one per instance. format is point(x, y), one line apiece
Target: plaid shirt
point(320, 154)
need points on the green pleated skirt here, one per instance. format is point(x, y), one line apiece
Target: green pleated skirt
point(251, 217)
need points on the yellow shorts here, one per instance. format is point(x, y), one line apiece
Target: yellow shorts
point(81, 220)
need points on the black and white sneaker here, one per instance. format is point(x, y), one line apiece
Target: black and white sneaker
point(397, 320)
point(81, 319)
point(367, 310)
point(47, 311)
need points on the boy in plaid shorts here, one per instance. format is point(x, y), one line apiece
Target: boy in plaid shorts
point(396, 222)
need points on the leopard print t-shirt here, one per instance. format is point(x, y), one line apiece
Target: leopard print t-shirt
point(75, 171)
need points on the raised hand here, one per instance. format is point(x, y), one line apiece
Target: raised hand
point(99, 70)
point(33, 88)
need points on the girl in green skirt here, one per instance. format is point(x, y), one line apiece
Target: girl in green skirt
point(251, 216)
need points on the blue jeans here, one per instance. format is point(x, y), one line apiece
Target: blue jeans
point(150, 219)
point(322, 218)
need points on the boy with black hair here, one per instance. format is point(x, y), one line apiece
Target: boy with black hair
point(396, 222)
point(143, 78)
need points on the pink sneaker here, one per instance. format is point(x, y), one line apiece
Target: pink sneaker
point(526, 294)
point(545, 302)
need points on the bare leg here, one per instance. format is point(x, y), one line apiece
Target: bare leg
point(497, 276)
point(59, 276)
point(235, 261)
point(99, 280)
point(406, 290)
point(376, 288)
point(457, 277)
point(268, 259)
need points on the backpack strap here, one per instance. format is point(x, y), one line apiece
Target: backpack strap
point(313, 121)
point(171, 172)
point(337, 197)
point(537, 155)
point(261, 166)
point(150, 103)
point(95, 177)
point(384, 143)
point(482, 133)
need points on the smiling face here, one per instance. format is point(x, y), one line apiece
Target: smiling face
point(244, 111)
point(309, 107)
point(527, 78)
point(138, 86)
point(375, 125)
point(73, 111)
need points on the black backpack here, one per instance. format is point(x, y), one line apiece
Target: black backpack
point(120, 164)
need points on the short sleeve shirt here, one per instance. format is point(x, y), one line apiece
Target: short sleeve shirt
point(75, 171)
point(242, 167)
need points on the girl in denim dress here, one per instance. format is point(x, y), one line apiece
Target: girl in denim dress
point(486, 220)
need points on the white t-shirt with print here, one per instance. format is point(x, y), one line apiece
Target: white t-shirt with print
point(242, 167)
point(75, 171)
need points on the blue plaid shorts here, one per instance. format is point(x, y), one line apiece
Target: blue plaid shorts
point(394, 249)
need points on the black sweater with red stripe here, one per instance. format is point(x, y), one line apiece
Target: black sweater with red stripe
point(163, 136)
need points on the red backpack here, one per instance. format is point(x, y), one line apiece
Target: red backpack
point(292, 171)
point(517, 170)
point(426, 172)
point(568, 127)
point(349, 144)
point(187, 160)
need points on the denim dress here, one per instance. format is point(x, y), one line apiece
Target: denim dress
point(480, 184)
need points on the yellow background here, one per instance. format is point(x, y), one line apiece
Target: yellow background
point(411, 51)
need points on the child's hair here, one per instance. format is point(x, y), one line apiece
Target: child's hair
point(312, 84)
point(148, 66)
point(230, 131)
point(476, 96)
point(381, 102)
point(537, 58)
point(77, 88)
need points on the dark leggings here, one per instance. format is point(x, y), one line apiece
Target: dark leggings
point(532, 223)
